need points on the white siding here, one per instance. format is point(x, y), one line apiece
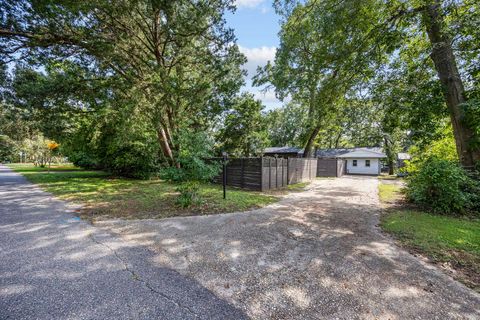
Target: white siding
point(361, 168)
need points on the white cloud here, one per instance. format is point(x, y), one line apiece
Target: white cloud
point(267, 97)
point(247, 3)
point(257, 57)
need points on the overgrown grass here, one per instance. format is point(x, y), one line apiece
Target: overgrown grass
point(107, 196)
point(444, 239)
point(389, 193)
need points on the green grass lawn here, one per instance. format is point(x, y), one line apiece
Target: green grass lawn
point(107, 196)
point(28, 167)
point(389, 193)
point(298, 186)
point(451, 240)
point(444, 239)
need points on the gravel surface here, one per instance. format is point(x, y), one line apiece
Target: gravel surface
point(317, 254)
point(55, 266)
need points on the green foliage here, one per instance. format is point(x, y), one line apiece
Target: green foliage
point(442, 187)
point(286, 125)
point(443, 148)
point(7, 148)
point(175, 62)
point(83, 160)
point(243, 133)
point(193, 159)
point(134, 159)
point(188, 194)
point(472, 111)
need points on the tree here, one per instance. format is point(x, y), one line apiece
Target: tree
point(243, 132)
point(175, 61)
point(326, 50)
point(286, 125)
point(7, 148)
point(379, 29)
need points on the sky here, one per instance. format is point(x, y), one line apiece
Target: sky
point(256, 27)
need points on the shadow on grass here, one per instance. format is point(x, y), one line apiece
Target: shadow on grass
point(107, 196)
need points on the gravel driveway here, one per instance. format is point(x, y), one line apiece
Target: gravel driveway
point(315, 255)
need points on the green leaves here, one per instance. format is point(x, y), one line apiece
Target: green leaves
point(243, 133)
point(175, 62)
point(441, 186)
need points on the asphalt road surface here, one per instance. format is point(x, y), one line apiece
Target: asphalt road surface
point(55, 266)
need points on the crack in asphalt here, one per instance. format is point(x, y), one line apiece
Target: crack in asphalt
point(137, 277)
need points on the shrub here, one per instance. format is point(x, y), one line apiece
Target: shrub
point(188, 194)
point(442, 186)
point(193, 160)
point(194, 167)
point(133, 159)
point(83, 160)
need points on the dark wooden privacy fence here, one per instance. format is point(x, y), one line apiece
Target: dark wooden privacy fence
point(301, 169)
point(268, 173)
point(330, 167)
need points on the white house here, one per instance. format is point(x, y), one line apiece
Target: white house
point(363, 162)
point(357, 160)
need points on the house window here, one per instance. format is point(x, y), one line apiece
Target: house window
point(367, 163)
point(354, 163)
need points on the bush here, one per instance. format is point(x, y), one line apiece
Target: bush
point(194, 167)
point(193, 160)
point(188, 194)
point(443, 187)
point(132, 159)
point(83, 160)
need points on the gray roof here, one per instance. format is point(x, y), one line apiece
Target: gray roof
point(334, 153)
point(322, 153)
point(280, 150)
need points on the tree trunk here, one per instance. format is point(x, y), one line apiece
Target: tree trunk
point(337, 140)
point(307, 153)
point(445, 64)
point(165, 146)
point(390, 155)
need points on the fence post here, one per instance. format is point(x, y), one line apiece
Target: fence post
point(288, 171)
point(261, 174)
point(269, 173)
point(224, 175)
point(243, 173)
point(276, 172)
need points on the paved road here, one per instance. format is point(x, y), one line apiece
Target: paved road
point(54, 266)
point(314, 255)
